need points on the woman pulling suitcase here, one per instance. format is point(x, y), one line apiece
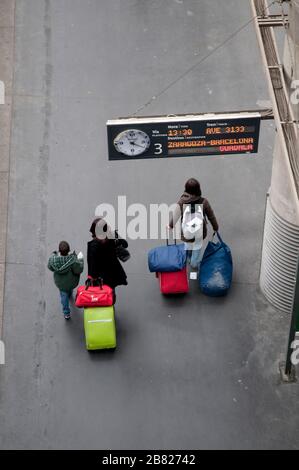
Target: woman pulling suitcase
point(193, 210)
point(102, 255)
point(105, 273)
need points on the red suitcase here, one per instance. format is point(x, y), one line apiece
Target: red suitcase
point(174, 283)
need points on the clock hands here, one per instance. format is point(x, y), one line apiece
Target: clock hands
point(137, 145)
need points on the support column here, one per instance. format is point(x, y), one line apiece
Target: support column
point(281, 231)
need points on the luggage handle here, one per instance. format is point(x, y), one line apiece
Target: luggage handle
point(220, 245)
point(90, 282)
point(218, 235)
point(168, 236)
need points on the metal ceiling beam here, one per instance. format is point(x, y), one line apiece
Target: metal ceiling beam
point(271, 21)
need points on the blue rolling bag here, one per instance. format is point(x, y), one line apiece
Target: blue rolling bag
point(169, 258)
point(216, 269)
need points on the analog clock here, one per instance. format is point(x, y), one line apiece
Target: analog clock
point(132, 142)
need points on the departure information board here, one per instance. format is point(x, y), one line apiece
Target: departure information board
point(190, 136)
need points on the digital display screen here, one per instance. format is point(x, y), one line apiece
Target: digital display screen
point(139, 140)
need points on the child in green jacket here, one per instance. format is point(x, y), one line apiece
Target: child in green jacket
point(67, 269)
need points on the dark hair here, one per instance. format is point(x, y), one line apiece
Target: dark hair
point(192, 187)
point(64, 248)
point(94, 224)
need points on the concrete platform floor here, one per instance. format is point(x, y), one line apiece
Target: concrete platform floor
point(188, 373)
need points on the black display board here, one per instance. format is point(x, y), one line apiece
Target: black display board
point(182, 138)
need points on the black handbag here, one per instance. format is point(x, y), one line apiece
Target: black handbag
point(121, 248)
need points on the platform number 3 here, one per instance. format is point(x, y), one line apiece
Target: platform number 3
point(158, 149)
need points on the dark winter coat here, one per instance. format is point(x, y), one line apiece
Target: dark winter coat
point(187, 198)
point(67, 270)
point(103, 262)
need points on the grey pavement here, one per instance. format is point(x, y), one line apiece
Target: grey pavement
point(188, 373)
point(7, 35)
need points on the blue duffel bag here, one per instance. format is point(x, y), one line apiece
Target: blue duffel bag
point(216, 269)
point(169, 258)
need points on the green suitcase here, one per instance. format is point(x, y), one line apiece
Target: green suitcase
point(99, 326)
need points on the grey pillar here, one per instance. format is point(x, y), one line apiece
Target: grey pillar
point(281, 232)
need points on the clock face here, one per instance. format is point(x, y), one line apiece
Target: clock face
point(132, 142)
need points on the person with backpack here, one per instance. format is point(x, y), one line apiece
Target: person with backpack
point(103, 255)
point(67, 269)
point(193, 210)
